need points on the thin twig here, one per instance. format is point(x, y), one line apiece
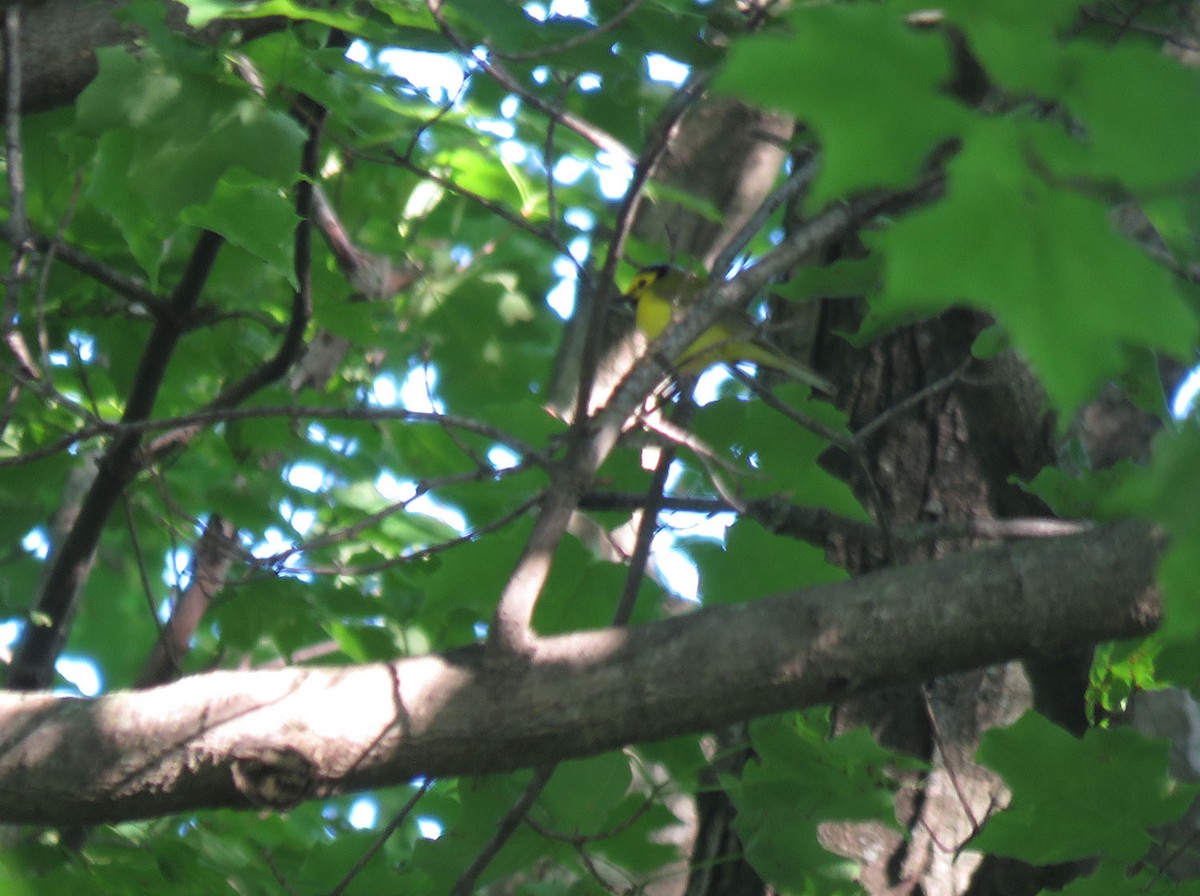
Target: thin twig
point(590, 866)
point(598, 137)
point(1126, 24)
point(465, 885)
point(939, 740)
point(277, 873)
point(441, 547)
point(675, 434)
point(443, 110)
point(140, 561)
point(795, 182)
point(85, 381)
point(384, 835)
point(571, 43)
point(816, 525)
point(854, 445)
point(48, 255)
point(882, 517)
point(134, 290)
point(449, 431)
point(648, 524)
point(548, 158)
point(889, 414)
point(339, 536)
point(850, 445)
point(97, 428)
point(775, 403)
point(500, 211)
point(52, 398)
point(33, 660)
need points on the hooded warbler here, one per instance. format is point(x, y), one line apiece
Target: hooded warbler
point(660, 292)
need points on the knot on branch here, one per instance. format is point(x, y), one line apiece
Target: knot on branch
point(275, 779)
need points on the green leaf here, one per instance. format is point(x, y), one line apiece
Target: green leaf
point(364, 643)
point(1074, 798)
point(1131, 102)
point(182, 134)
point(1044, 260)
point(1080, 496)
point(1114, 879)
point(1165, 492)
point(276, 609)
point(798, 780)
point(251, 214)
point(753, 563)
point(202, 12)
point(581, 592)
point(468, 582)
point(583, 793)
point(869, 85)
point(845, 278)
point(777, 455)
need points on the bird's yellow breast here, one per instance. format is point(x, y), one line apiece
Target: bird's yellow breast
point(661, 294)
point(653, 313)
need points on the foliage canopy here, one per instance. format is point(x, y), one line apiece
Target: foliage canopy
point(381, 500)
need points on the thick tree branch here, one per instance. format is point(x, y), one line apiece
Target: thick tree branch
point(15, 170)
point(60, 38)
point(278, 737)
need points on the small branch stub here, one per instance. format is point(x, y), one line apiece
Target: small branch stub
point(275, 779)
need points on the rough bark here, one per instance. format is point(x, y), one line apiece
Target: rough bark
point(950, 458)
point(277, 738)
point(59, 39)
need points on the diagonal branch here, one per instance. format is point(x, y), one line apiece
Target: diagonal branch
point(511, 632)
point(591, 440)
point(211, 559)
point(598, 137)
point(312, 115)
point(41, 641)
point(132, 289)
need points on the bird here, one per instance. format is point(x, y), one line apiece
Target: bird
point(660, 291)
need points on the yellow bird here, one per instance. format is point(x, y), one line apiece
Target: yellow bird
point(659, 293)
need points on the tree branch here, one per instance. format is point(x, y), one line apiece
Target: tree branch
point(60, 38)
point(213, 416)
point(211, 559)
point(598, 137)
point(44, 634)
point(132, 289)
point(234, 738)
point(15, 170)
